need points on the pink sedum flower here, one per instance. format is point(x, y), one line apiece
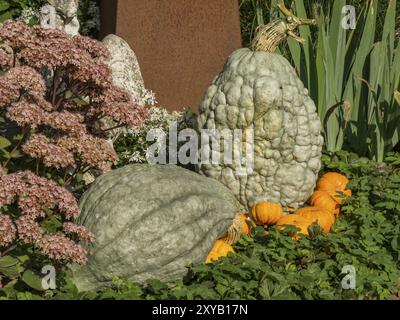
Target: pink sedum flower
point(16, 33)
point(40, 147)
point(82, 233)
point(69, 122)
point(25, 113)
point(38, 193)
point(6, 57)
point(34, 195)
point(58, 89)
point(7, 231)
point(93, 151)
point(95, 48)
point(61, 87)
point(21, 80)
point(121, 112)
point(58, 247)
point(29, 231)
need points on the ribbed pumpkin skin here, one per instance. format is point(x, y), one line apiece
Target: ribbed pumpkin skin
point(332, 182)
point(151, 222)
point(261, 91)
point(337, 180)
point(295, 220)
point(220, 249)
point(266, 213)
point(323, 200)
point(323, 217)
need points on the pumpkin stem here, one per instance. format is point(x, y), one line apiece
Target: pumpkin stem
point(234, 232)
point(268, 37)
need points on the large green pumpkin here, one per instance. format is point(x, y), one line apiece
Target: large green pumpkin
point(151, 222)
point(259, 90)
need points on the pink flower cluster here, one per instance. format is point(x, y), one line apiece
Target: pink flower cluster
point(6, 57)
point(121, 108)
point(79, 231)
point(58, 247)
point(20, 81)
point(61, 87)
point(93, 151)
point(29, 231)
point(34, 196)
point(39, 146)
point(8, 232)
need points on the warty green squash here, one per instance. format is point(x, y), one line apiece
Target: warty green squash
point(259, 90)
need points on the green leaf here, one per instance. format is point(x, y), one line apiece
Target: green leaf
point(32, 280)
point(156, 285)
point(8, 261)
point(15, 154)
point(4, 5)
point(28, 296)
point(389, 27)
point(11, 272)
point(10, 267)
point(52, 225)
point(397, 97)
point(265, 289)
point(4, 143)
point(23, 258)
point(5, 16)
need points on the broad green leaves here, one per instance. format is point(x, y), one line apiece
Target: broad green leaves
point(9, 267)
point(33, 280)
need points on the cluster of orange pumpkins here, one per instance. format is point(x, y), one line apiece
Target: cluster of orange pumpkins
point(325, 202)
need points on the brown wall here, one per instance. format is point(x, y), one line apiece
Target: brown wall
point(181, 45)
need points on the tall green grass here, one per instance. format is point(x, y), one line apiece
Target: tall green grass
point(353, 76)
point(353, 79)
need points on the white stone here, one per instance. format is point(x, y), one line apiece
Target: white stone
point(126, 70)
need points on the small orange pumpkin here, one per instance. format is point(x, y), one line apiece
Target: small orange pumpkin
point(334, 184)
point(220, 249)
point(296, 220)
point(323, 217)
point(323, 200)
point(266, 213)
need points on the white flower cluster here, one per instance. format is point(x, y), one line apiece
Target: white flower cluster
point(148, 98)
point(133, 141)
point(159, 118)
point(28, 13)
